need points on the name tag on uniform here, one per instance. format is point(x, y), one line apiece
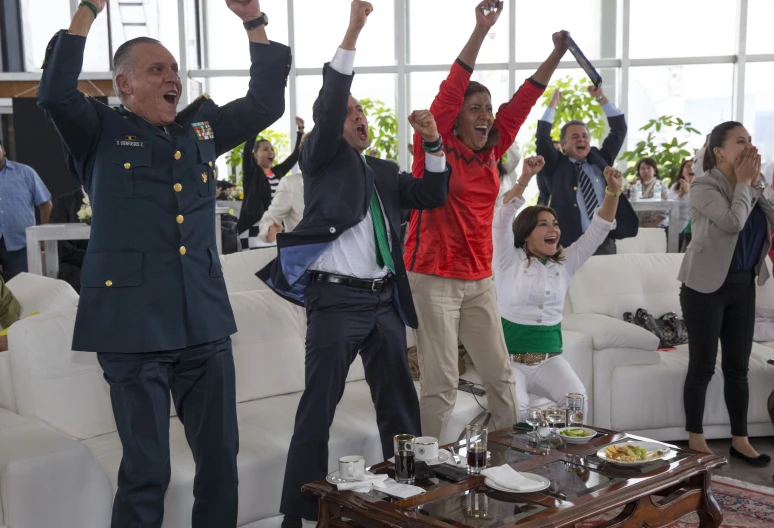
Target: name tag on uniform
point(203, 130)
point(130, 141)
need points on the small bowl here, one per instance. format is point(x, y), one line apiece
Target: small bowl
point(590, 433)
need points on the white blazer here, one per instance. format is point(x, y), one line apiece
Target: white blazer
point(287, 205)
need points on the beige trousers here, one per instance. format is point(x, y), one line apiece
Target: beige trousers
point(448, 309)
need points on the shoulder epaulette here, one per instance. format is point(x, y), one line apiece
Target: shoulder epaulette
point(195, 105)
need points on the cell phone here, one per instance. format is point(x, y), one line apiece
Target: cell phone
point(451, 473)
point(466, 386)
point(422, 470)
point(596, 78)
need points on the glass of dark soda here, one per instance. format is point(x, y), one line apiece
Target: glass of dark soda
point(404, 458)
point(475, 436)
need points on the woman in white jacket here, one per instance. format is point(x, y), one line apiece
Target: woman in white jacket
point(532, 273)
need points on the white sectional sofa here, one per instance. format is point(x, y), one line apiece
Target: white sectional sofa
point(62, 393)
point(635, 387)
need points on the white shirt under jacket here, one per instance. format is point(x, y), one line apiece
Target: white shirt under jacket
point(533, 293)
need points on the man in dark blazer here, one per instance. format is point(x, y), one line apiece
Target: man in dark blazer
point(344, 261)
point(574, 176)
point(154, 304)
point(71, 252)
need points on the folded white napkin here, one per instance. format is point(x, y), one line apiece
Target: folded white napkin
point(363, 483)
point(396, 489)
point(507, 477)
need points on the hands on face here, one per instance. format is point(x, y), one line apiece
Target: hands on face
point(748, 166)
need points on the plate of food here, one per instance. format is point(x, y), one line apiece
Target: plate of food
point(633, 453)
point(577, 435)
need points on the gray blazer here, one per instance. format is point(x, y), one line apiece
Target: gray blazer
point(718, 215)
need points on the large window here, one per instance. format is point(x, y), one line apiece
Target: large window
point(704, 61)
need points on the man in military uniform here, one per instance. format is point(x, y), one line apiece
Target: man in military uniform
point(153, 302)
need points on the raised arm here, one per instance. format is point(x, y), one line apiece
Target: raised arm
point(512, 115)
point(429, 191)
point(612, 144)
point(265, 99)
point(68, 109)
point(283, 168)
point(601, 225)
point(330, 108)
point(543, 139)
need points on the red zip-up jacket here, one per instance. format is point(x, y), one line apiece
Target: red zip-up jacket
point(455, 240)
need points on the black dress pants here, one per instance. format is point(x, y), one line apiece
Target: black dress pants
point(201, 380)
point(342, 321)
point(727, 314)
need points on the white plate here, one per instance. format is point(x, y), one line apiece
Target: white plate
point(577, 439)
point(541, 483)
point(648, 446)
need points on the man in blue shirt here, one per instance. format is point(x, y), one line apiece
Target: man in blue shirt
point(20, 190)
point(574, 176)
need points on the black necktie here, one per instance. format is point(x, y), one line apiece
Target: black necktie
point(587, 191)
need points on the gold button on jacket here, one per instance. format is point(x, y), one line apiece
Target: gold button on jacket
point(182, 250)
point(108, 283)
point(127, 165)
point(178, 187)
point(177, 155)
point(180, 219)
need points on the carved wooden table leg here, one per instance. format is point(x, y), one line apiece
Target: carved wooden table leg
point(710, 515)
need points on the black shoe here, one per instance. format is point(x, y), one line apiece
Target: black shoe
point(291, 521)
point(759, 461)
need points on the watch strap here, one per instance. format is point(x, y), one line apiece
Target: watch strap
point(262, 20)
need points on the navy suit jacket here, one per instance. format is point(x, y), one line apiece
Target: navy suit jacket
point(151, 279)
point(562, 179)
point(337, 190)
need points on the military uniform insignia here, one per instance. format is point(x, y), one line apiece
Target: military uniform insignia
point(203, 130)
point(204, 177)
point(130, 138)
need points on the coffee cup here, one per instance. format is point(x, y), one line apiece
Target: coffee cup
point(426, 448)
point(351, 467)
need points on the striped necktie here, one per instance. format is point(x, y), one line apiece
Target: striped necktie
point(383, 254)
point(587, 191)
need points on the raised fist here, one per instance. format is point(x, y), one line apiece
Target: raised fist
point(561, 42)
point(358, 13)
point(245, 9)
point(487, 13)
point(423, 122)
point(613, 179)
point(532, 166)
point(596, 92)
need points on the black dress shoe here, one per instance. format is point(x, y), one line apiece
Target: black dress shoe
point(759, 461)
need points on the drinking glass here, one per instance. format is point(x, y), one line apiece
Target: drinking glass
point(475, 436)
point(404, 458)
point(554, 415)
point(534, 417)
point(574, 409)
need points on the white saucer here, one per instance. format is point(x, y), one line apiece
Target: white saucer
point(443, 456)
point(541, 483)
point(335, 479)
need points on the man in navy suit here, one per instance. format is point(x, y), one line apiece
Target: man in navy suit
point(575, 182)
point(154, 304)
point(344, 262)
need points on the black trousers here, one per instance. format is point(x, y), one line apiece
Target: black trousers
point(727, 314)
point(71, 273)
point(13, 262)
point(342, 321)
point(201, 380)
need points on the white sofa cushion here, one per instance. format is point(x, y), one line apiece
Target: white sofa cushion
point(47, 479)
point(607, 332)
point(37, 293)
point(239, 269)
point(54, 384)
point(7, 399)
point(648, 240)
point(613, 284)
point(269, 346)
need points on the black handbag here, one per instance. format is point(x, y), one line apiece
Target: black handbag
point(670, 330)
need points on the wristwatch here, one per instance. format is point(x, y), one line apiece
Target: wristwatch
point(262, 20)
point(761, 185)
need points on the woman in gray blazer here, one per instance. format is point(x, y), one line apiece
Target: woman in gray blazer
point(731, 216)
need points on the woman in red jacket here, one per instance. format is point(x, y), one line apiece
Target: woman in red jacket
point(449, 249)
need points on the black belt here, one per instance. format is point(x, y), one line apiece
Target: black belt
point(374, 285)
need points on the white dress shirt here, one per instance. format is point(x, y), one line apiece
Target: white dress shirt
point(287, 206)
point(353, 253)
point(529, 292)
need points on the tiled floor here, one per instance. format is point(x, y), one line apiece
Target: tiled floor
point(740, 470)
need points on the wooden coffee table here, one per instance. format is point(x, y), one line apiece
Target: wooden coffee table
point(582, 487)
